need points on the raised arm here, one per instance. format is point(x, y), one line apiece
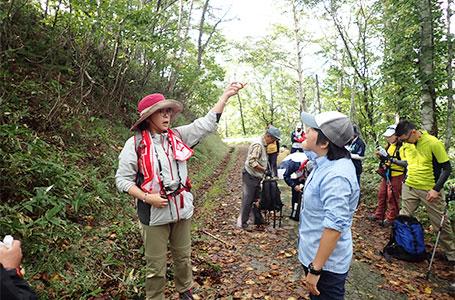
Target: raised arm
point(192, 133)
point(231, 90)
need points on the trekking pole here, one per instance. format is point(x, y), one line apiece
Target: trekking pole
point(450, 197)
point(395, 199)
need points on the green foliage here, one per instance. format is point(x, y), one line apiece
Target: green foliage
point(401, 32)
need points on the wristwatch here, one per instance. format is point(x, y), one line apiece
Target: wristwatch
point(313, 271)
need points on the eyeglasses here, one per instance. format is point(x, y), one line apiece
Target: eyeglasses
point(408, 135)
point(165, 111)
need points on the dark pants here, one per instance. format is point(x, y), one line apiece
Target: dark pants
point(250, 187)
point(296, 202)
point(272, 157)
point(360, 192)
point(330, 285)
point(296, 150)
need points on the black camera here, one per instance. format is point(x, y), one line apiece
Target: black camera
point(171, 187)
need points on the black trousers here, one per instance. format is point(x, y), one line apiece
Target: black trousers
point(296, 203)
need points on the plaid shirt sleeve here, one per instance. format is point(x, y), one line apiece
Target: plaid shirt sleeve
point(254, 155)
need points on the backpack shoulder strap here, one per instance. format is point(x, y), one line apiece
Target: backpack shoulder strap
point(397, 151)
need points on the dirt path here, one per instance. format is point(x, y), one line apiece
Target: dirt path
point(230, 263)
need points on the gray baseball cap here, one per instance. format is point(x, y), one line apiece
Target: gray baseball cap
point(336, 126)
point(273, 131)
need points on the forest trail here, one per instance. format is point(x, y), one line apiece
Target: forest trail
point(230, 263)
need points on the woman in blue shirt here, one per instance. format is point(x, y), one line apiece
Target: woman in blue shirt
point(330, 198)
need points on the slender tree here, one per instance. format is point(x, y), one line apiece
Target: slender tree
point(298, 54)
point(449, 125)
point(242, 119)
point(318, 94)
point(426, 67)
point(359, 57)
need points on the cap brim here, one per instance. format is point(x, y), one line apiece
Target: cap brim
point(388, 133)
point(309, 120)
point(176, 106)
point(272, 135)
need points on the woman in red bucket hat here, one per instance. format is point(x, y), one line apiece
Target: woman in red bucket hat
point(153, 169)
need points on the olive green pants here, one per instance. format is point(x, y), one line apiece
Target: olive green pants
point(156, 240)
point(411, 199)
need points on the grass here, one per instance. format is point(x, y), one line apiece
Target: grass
point(214, 195)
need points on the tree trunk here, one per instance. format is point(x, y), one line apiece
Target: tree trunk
point(241, 115)
point(449, 125)
point(46, 9)
point(200, 48)
point(340, 86)
point(352, 109)
point(361, 70)
point(298, 49)
point(180, 18)
point(272, 108)
point(426, 68)
point(318, 95)
point(116, 49)
point(226, 126)
point(56, 13)
point(182, 38)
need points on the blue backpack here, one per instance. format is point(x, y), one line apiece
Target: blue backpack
point(406, 240)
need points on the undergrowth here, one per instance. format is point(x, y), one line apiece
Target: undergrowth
point(80, 236)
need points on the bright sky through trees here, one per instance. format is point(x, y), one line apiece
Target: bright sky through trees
point(253, 19)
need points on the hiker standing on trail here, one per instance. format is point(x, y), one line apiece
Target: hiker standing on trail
point(357, 149)
point(297, 137)
point(153, 169)
point(255, 168)
point(428, 169)
point(272, 154)
point(392, 169)
point(330, 196)
point(295, 174)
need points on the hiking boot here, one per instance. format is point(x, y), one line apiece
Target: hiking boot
point(447, 261)
point(372, 217)
point(387, 223)
point(247, 229)
point(451, 288)
point(260, 227)
point(188, 295)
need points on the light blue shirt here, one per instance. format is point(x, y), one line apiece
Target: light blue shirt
point(329, 201)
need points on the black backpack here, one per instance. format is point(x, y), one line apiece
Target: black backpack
point(406, 240)
point(270, 196)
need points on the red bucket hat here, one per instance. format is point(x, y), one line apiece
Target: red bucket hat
point(154, 102)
